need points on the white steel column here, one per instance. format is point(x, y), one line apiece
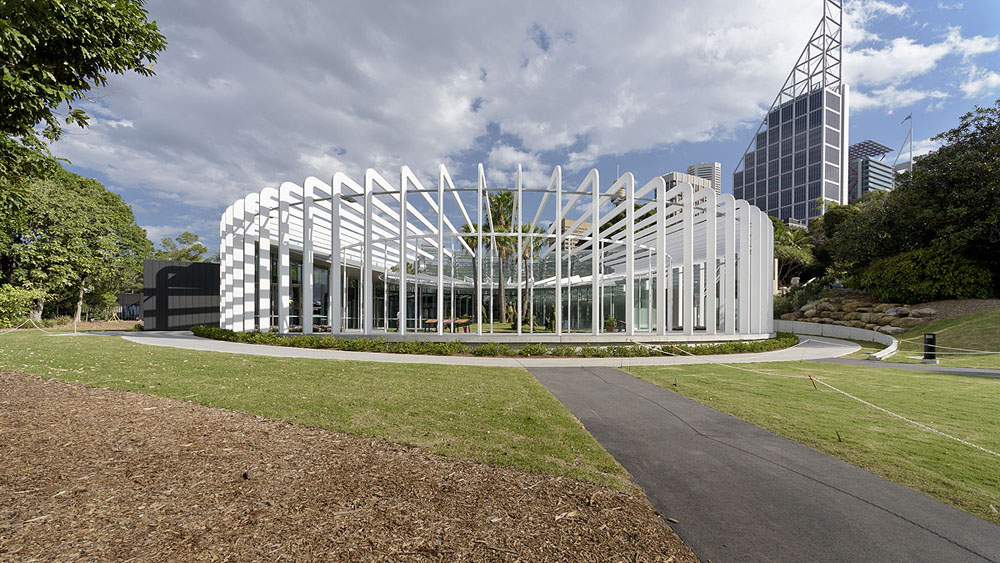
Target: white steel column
point(268, 199)
point(251, 208)
point(335, 258)
point(729, 279)
point(227, 268)
point(479, 250)
point(306, 298)
point(284, 258)
point(440, 256)
point(239, 230)
point(743, 275)
point(755, 270)
point(559, 243)
point(595, 258)
point(687, 214)
point(368, 288)
point(629, 254)
point(520, 247)
point(661, 257)
point(402, 253)
point(711, 262)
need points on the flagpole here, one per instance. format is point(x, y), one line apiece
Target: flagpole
point(911, 145)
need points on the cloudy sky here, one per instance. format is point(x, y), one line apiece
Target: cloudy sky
point(251, 93)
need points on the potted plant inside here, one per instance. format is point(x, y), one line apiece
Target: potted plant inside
point(610, 324)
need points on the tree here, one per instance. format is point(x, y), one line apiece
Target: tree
point(793, 250)
point(52, 52)
point(76, 238)
point(184, 248)
point(502, 221)
point(950, 204)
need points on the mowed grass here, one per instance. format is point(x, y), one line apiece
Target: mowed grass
point(978, 331)
point(964, 407)
point(500, 416)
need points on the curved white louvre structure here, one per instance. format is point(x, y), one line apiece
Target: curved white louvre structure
point(664, 262)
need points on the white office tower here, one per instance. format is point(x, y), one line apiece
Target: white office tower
point(796, 163)
point(711, 171)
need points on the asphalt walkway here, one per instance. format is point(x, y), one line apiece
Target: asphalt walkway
point(977, 372)
point(740, 493)
point(809, 348)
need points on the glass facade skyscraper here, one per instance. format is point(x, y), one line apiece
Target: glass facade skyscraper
point(797, 162)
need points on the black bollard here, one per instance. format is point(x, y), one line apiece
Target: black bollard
point(930, 349)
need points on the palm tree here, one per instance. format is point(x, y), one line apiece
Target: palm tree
point(501, 212)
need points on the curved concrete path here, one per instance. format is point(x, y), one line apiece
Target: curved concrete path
point(735, 492)
point(809, 348)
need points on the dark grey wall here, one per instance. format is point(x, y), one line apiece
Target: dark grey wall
point(179, 295)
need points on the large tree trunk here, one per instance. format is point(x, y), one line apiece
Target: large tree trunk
point(36, 312)
point(79, 305)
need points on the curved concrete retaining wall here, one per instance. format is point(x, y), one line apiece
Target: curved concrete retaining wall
point(837, 331)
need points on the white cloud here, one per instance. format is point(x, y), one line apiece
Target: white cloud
point(249, 94)
point(903, 58)
point(892, 97)
point(952, 6)
point(980, 82)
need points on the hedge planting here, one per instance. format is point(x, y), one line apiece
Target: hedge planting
point(927, 274)
point(455, 348)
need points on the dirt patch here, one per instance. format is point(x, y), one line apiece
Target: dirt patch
point(958, 307)
point(98, 325)
point(98, 474)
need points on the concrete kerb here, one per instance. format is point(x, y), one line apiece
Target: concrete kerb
point(810, 348)
point(847, 332)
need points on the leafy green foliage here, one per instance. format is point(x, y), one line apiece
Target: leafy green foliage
point(793, 250)
point(16, 303)
point(797, 296)
point(52, 52)
point(184, 248)
point(951, 203)
point(76, 239)
point(926, 275)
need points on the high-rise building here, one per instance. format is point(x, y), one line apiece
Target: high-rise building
point(711, 171)
point(698, 182)
point(797, 162)
point(867, 172)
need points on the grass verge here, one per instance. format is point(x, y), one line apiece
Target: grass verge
point(501, 416)
point(965, 407)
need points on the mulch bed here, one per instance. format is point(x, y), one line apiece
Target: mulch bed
point(97, 474)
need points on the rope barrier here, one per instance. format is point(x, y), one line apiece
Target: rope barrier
point(919, 342)
point(862, 401)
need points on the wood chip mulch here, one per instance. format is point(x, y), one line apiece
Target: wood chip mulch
point(95, 474)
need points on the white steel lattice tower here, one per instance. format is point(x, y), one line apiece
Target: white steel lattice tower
point(412, 260)
point(797, 160)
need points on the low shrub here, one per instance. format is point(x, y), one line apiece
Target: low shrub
point(16, 303)
point(452, 348)
point(533, 349)
point(926, 274)
point(493, 349)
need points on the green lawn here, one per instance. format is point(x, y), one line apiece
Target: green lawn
point(501, 416)
point(978, 331)
point(965, 407)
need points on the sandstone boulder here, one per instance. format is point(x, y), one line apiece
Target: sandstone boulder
point(897, 311)
point(908, 322)
point(891, 329)
point(883, 307)
point(925, 313)
point(789, 317)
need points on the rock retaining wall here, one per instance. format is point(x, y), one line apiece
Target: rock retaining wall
point(888, 318)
